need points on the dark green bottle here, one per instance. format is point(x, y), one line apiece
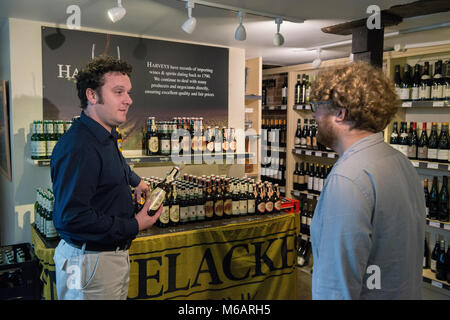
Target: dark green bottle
point(434, 200)
point(443, 201)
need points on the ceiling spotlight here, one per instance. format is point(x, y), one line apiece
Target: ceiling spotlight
point(189, 25)
point(240, 33)
point(278, 39)
point(316, 63)
point(117, 13)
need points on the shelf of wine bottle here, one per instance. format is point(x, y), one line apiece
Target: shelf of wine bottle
point(426, 104)
point(308, 195)
point(438, 224)
point(422, 164)
point(281, 107)
point(306, 106)
point(315, 153)
point(429, 276)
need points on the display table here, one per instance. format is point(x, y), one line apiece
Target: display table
point(242, 258)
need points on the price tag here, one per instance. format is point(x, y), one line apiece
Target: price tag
point(331, 155)
point(435, 224)
point(438, 103)
point(407, 104)
point(446, 226)
point(283, 107)
point(308, 153)
point(307, 107)
point(431, 165)
point(436, 284)
point(248, 110)
point(318, 154)
point(415, 164)
point(135, 160)
point(271, 108)
point(309, 196)
point(298, 151)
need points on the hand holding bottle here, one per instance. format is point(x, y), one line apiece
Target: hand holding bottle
point(144, 220)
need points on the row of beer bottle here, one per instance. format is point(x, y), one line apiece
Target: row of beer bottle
point(184, 135)
point(44, 136)
point(204, 198)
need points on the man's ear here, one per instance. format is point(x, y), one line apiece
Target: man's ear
point(91, 96)
point(340, 114)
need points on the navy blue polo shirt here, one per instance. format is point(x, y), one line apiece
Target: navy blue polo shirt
point(91, 185)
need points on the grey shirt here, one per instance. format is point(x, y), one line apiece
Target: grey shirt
point(367, 232)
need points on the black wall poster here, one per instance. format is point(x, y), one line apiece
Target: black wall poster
point(169, 79)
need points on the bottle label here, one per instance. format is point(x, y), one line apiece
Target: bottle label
point(316, 183)
point(320, 185)
point(310, 183)
point(218, 208)
point(303, 142)
point(209, 209)
point(184, 213)
point(233, 146)
point(165, 146)
point(405, 93)
point(175, 145)
point(243, 207)
point(165, 215)
point(442, 154)
point(446, 93)
point(432, 153)
point(174, 213)
point(301, 179)
point(210, 146)
point(192, 212)
point(437, 92)
point(251, 205)
point(308, 221)
point(156, 199)
point(261, 207)
point(236, 208)
point(41, 148)
point(200, 210)
point(412, 151)
point(422, 153)
point(403, 149)
point(185, 143)
point(415, 93)
point(297, 141)
point(278, 205)
point(433, 265)
point(303, 219)
point(425, 92)
point(50, 145)
point(269, 206)
point(228, 207)
point(153, 144)
point(50, 230)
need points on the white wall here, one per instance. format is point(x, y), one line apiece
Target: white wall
point(22, 38)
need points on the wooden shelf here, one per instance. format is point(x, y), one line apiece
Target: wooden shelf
point(430, 277)
point(426, 104)
point(438, 224)
point(315, 153)
point(422, 164)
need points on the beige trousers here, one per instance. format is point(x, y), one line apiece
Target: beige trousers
point(91, 275)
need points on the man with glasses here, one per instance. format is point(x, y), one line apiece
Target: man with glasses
point(368, 227)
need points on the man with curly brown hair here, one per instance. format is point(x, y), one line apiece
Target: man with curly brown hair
point(368, 227)
point(94, 213)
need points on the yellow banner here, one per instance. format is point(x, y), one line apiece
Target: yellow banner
point(245, 261)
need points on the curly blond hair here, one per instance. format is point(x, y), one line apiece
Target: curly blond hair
point(363, 90)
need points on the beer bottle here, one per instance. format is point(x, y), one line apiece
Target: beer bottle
point(251, 199)
point(218, 201)
point(163, 221)
point(184, 210)
point(192, 204)
point(269, 199)
point(200, 203)
point(209, 203)
point(174, 212)
point(152, 138)
point(276, 199)
point(35, 141)
point(243, 210)
point(159, 192)
point(260, 203)
point(235, 201)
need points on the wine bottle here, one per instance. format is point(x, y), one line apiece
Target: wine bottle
point(394, 137)
point(302, 259)
point(440, 263)
point(284, 93)
point(433, 143)
point(426, 254)
point(412, 141)
point(276, 199)
point(405, 86)
point(397, 81)
point(437, 84)
point(442, 153)
point(435, 255)
point(447, 261)
point(434, 200)
point(422, 147)
point(298, 91)
point(415, 83)
point(298, 134)
point(260, 203)
point(425, 86)
point(403, 139)
point(303, 139)
point(209, 203)
point(251, 199)
point(443, 201)
point(427, 197)
point(159, 192)
point(236, 209)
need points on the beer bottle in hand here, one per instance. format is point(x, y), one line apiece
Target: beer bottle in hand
point(159, 192)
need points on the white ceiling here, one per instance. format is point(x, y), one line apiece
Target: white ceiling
point(163, 18)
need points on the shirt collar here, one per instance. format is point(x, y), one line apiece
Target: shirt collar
point(362, 144)
point(97, 129)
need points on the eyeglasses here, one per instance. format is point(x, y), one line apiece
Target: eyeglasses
point(315, 105)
